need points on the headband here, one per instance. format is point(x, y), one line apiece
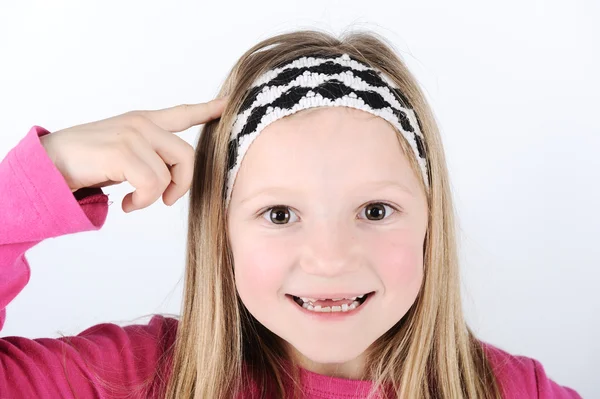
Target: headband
point(309, 82)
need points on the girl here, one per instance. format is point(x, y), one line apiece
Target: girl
point(322, 258)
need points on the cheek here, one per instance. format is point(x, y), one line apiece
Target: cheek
point(260, 270)
point(399, 263)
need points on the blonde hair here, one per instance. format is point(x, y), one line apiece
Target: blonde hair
point(221, 349)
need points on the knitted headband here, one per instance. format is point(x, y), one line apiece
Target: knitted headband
point(308, 82)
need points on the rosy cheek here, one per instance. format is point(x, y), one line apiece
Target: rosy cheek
point(400, 268)
point(260, 271)
point(404, 271)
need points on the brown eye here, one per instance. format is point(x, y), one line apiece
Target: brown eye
point(281, 214)
point(376, 211)
point(278, 214)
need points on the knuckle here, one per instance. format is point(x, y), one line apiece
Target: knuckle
point(123, 147)
point(129, 135)
point(164, 179)
point(135, 119)
point(151, 180)
point(190, 153)
point(155, 182)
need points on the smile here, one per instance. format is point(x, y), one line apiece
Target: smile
point(331, 305)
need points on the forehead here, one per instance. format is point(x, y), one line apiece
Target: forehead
point(324, 146)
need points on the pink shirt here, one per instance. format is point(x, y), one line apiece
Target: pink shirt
point(35, 204)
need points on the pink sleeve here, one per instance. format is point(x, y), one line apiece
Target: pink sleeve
point(102, 362)
point(35, 204)
point(548, 389)
point(523, 377)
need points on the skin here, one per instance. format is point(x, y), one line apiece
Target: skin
point(324, 164)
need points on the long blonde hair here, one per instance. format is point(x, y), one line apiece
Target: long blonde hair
point(220, 347)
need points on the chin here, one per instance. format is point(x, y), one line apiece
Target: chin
point(340, 352)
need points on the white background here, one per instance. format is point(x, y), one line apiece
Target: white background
point(514, 86)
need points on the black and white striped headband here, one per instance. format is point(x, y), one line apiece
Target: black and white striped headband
point(309, 82)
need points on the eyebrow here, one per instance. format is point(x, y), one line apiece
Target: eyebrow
point(373, 185)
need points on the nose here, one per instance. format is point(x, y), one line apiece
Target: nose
point(330, 250)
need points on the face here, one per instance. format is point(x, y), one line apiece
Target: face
point(326, 206)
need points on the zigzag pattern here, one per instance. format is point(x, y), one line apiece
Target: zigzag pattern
point(293, 80)
point(312, 82)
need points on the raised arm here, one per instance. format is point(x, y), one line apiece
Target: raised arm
point(35, 204)
point(50, 185)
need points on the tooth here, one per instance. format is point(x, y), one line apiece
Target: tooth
point(337, 299)
point(310, 307)
point(344, 307)
point(318, 308)
point(336, 308)
point(304, 299)
point(353, 305)
point(326, 309)
point(361, 296)
point(353, 298)
point(312, 299)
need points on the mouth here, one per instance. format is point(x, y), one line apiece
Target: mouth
point(331, 305)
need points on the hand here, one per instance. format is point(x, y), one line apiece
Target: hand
point(138, 147)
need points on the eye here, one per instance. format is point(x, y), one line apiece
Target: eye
point(280, 214)
point(377, 210)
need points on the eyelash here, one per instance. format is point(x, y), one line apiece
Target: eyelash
point(263, 212)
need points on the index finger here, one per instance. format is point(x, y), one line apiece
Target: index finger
point(184, 116)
